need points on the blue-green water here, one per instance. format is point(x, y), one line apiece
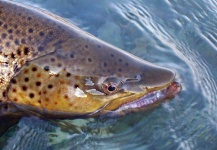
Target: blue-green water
point(179, 34)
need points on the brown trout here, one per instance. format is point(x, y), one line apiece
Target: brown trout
point(52, 68)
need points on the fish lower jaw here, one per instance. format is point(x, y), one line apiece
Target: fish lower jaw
point(152, 98)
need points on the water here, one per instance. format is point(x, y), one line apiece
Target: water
point(181, 35)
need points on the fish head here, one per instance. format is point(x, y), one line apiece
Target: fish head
point(63, 92)
point(132, 92)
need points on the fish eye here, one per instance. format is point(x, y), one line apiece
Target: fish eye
point(110, 88)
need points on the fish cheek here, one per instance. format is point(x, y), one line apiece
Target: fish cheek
point(25, 88)
point(64, 94)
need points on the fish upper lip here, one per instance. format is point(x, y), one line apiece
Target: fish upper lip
point(155, 96)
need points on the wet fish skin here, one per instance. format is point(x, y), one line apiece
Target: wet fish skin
point(49, 46)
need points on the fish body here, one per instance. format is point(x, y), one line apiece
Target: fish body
point(53, 68)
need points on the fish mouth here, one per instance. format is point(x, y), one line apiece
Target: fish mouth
point(151, 98)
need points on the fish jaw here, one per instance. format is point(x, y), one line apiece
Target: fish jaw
point(153, 97)
point(144, 102)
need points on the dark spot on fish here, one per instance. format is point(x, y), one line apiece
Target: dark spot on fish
point(55, 103)
point(39, 101)
point(34, 69)
point(12, 56)
point(120, 60)
point(4, 35)
point(89, 60)
point(38, 83)
point(59, 65)
point(15, 99)
point(26, 50)
point(41, 33)
point(50, 86)
point(112, 55)
point(31, 95)
point(47, 99)
point(104, 64)
point(108, 70)
point(15, 26)
point(52, 59)
point(26, 71)
point(68, 74)
point(66, 96)
point(5, 26)
point(14, 81)
point(10, 31)
point(30, 30)
point(29, 18)
point(24, 88)
point(26, 79)
point(0, 23)
point(18, 51)
point(39, 93)
point(40, 48)
point(71, 55)
point(76, 86)
point(38, 75)
point(4, 94)
point(99, 46)
point(46, 68)
point(23, 41)
point(45, 92)
point(14, 90)
point(120, 70)
point(126, 64)
point(86, 46)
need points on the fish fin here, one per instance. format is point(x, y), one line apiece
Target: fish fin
point(32, 133)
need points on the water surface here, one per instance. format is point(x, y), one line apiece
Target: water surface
point(181, 35)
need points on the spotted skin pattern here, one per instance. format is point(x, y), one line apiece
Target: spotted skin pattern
point(48, 64)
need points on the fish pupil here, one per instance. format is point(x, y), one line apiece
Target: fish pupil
point(111, 88)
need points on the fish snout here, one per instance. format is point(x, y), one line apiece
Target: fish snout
point(157, 77)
